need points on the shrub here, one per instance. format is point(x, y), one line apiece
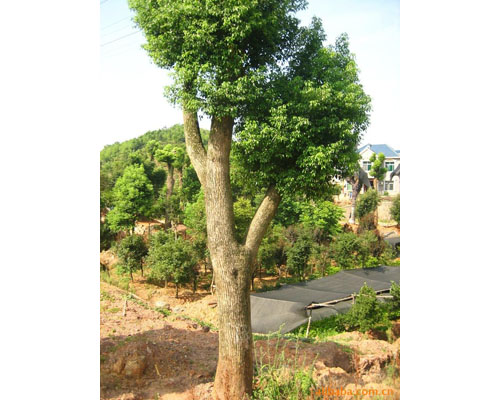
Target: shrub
point(395, 209)
point(366, 313)
point(298, 255)
point(367, 250)
point(107, 237)
point(367, 203)
point(367, 223)
point(131, 252)
point(393, 305)
point(345, 250)
point(371, 244)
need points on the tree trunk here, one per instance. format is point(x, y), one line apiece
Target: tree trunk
point(356, 188)
point(166, 284)
point(232, 261)
point(170, 189)
point(375, 213)
point(176, 290)
point(131, 277)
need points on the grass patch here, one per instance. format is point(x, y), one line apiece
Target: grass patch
point(105, 296)
point(199, 322)
point(281, 378)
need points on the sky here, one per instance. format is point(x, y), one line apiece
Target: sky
point(131, 87)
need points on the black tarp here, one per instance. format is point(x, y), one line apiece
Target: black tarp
point(285, 307)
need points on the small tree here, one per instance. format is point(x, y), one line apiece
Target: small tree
point(298, 255)
point(172, 259)
point(377, 170)
point(395, 209)
point(133, 196)
point(131, 252)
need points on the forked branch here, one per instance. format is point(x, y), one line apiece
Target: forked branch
point(194, 145)
point(261, 220)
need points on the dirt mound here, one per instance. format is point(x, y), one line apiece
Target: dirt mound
point(144, 355)
point(108, 258)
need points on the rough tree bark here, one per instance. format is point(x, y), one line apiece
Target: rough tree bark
point(232, 261)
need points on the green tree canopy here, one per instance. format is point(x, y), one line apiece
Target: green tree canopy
point(133, 197)
point(323, 216)
point(290, 138)
point(172, 259)
point(377, 169)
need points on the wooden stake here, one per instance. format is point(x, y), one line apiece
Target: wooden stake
point(308, 323)
point(124, 308)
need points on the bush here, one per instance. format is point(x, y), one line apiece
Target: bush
point(107, 237)
point(370, 244)
point(131, 252)
point(367, 203)
point(366, 250)
point(298, 255)
point(395, 209)
point(393, 305)
point(367, 313)
point(367, 223)
point(345, 250)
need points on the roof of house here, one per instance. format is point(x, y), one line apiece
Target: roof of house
point(387, 150)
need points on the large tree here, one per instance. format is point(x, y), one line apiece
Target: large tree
point(294, 108)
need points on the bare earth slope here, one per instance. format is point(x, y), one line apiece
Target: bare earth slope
point(145, 355)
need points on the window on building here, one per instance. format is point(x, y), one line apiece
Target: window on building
point(389, 185)
point(367, 165)
point(389, 165)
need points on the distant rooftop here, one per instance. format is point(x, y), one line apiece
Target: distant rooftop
point(387, 150)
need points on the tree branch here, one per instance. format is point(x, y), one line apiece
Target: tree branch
point(261, 220)
point(194, 145)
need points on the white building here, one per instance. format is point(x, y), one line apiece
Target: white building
point(392, 161)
